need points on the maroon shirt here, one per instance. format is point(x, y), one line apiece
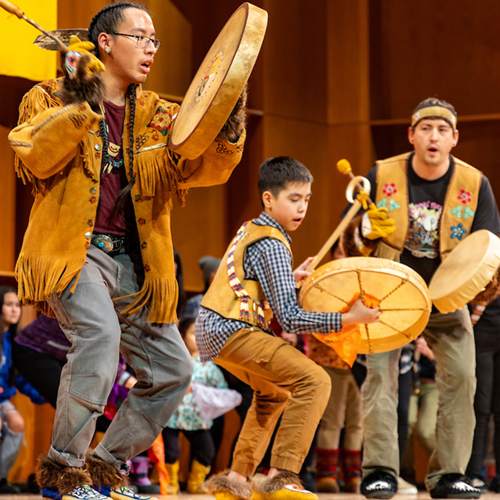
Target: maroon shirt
point(115, 181)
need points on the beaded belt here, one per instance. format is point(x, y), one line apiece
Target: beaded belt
point(108, 242)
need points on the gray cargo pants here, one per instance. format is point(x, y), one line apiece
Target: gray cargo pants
point(451, 338)
point(161, 362)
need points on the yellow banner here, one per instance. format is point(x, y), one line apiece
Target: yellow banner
point(18, 55)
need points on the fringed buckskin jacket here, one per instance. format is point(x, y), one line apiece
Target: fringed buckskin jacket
point(59, 149)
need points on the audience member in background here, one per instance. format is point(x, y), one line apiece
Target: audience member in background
point(179, 276)
point(189, 420)
point(12, 423)
point(487, 401)
point(344, 409)
point(405, 388)
point(208, 266)
point(423, 407)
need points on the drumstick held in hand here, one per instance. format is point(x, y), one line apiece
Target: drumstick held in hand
point(14, 9)
point(344, 167)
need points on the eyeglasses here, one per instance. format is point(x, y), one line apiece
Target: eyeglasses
point(141, 40)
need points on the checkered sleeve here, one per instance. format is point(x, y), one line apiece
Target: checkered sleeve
point(271, 263)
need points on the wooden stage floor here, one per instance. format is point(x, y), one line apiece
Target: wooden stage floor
point(322, 496)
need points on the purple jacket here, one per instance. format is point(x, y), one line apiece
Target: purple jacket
point(45, 336)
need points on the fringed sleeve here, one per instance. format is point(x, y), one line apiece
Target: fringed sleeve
point(48, 135)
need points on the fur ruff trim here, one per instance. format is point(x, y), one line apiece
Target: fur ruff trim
point(84, 86)
point(104, 474)
point(55, 476)
point(235, 124)
point(222, 483)
point(349, 243)
point(273, 484)
point(491, 291)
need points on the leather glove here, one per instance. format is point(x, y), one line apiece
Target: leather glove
point(376, 223)
point(77, 49)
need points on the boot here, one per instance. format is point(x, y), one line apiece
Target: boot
point(284, 486)
point(223, 488)
point(173, 474)
point(351, 466)
point(139, 478)
point(196, 478)
point(60, 482)
point(327, 466)
point(108, 480)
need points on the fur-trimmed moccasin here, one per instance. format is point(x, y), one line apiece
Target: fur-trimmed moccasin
point(104, 474)
point(223, 488)
point(109, 482)
point(284, 486)
point(60, 482)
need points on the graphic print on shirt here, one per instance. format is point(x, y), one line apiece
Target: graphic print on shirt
point(423, 234)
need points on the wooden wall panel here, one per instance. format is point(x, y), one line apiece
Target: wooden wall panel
point(295, 81)
point(172, 71)
point(448, 49)
point(8, 203)
point(306, 142)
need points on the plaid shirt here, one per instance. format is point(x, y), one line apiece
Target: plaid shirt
point(269, 262)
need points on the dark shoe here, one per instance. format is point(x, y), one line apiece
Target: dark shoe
point(7, 488)
point(308, 478)
point(479, 483)
point(150, 489)
point(379, 484)
point(32, 485)
point(454, 486)
point(495, 484)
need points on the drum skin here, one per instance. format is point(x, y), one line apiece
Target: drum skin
point(466, 271)
point(218, 84)
point(400, 292)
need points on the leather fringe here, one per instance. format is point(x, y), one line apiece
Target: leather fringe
point(161, 296)
point(34, 102)
point(152, 173)
point(41, 277)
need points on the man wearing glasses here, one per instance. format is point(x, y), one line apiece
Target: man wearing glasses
point(98, 251)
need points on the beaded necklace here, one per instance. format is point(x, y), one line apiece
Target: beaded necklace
point(109, 152)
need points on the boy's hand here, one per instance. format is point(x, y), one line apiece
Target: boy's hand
point(359, 313)
point(290, 337)
point(422, 347)
point(376, 223)
point(301, 273)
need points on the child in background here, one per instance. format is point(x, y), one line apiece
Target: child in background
point(189, 420)
point(12, 423)
point(344, 408)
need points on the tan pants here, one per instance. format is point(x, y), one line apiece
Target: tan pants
point(285, 382)
point(344, 408)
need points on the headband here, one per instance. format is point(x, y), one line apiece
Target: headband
point(434, 111)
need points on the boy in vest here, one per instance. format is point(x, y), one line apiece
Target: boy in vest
point(255, 281)
point(436, 201)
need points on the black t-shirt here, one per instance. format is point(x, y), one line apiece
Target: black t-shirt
point(426, 201)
